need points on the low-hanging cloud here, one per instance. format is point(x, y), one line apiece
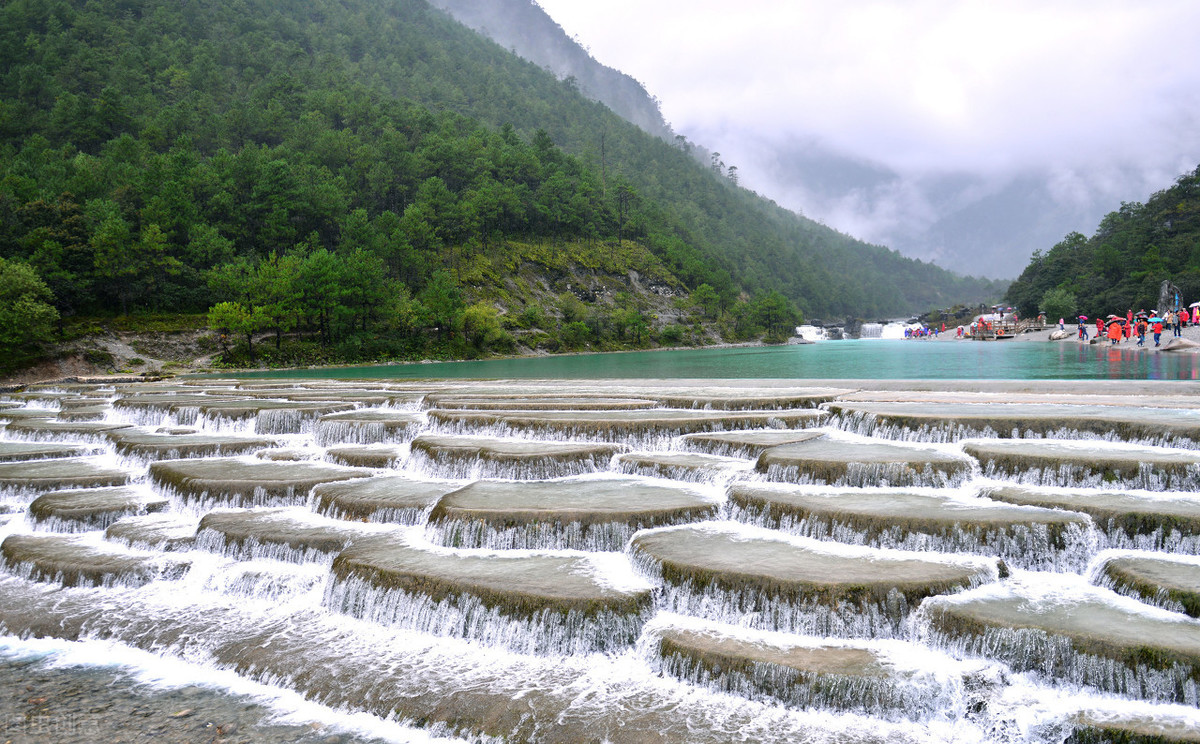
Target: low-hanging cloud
point(1098, 101)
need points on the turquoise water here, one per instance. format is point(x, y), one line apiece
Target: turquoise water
point(866, 359)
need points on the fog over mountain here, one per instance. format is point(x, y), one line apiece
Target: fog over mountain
point(969, 135)
point(970, 223)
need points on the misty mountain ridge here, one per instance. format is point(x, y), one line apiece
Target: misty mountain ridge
point(967, 223)
point(987, 226)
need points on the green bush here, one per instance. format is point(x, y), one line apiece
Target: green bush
point(1058, 303)
point(27, 316)
point(575, 335)
point(100, 358)
point(532, 316)
point(672, 335)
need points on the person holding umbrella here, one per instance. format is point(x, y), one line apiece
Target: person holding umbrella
point(1156, 325)
point(1114, 331)
point(1083, 334)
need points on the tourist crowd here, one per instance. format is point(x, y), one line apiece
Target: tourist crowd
point(1137, 325)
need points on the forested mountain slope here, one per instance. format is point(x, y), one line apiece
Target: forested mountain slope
point(146, 146)
point(1122, 266)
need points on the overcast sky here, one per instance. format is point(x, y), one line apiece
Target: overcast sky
point(1098, 97)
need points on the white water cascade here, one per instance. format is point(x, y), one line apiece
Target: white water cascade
point(811, 333)
point(710, 569)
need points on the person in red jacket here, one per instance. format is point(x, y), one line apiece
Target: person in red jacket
point(1114, 332)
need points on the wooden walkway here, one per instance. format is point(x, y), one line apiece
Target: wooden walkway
point(1007, 329)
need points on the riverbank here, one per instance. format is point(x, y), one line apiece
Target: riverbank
point(1190, 333)
point(118, 354)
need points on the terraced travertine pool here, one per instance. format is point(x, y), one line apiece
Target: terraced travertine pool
point(630, 560)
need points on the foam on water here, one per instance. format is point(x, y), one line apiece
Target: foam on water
point(1053, 658)
point(272, 618)
point(420, 465)
point(1095, 574)
point(260, 579)
point(650, 441)
point(869, 425)
point(1109, 534)
point(587, 688)
point(329, 432)
point(167, 672)
point(718, 471)
point(542, 536)
point(920, 684)
point(1029, 547)
point(1049, 590)
point(752, 608)
point(251, 548)
point(465, 616)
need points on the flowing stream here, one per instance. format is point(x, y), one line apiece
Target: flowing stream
point(623, 560)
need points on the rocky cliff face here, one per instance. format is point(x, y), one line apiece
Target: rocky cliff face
point(524, 28)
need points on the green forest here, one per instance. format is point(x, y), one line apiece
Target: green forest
point(380, 179)
point(1123, 265)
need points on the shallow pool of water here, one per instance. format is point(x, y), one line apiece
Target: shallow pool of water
point(876, 359)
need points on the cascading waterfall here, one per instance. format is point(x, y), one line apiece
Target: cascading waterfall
point(393, 620)
point(1032, 547)
point(1058, 660)
point(542, 633)
point(251, 549)
point(607, 536)
point(1071, 475)
point(859, 474)
point(471, 468)
point(948, 432)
